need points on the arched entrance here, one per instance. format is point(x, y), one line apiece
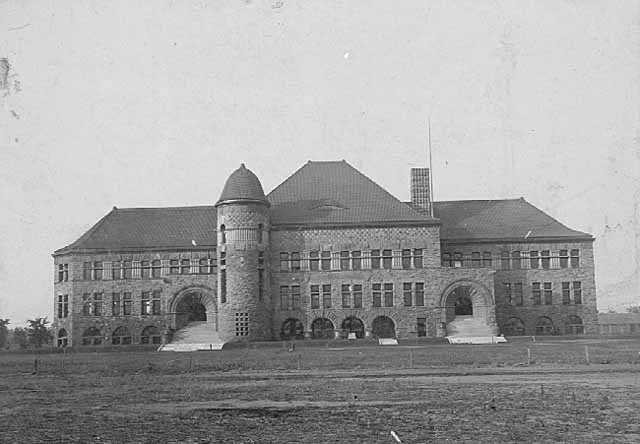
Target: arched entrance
point(194, 305)
point(467, 309)
point(322, 328)
point(292, 329)
point(353, 325)
point(383, 327)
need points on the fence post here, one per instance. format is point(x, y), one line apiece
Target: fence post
point(410, 358)
point(528, 356)
point(586, 353)
point(35, 366)
point(299, 361)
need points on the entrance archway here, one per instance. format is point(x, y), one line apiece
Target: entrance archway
point(353, 325)
point(383, 327)
point(468, 309)
point(194, 305)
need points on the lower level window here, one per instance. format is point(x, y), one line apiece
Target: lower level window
point(242, 324)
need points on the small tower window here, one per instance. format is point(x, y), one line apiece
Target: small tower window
point(223, 234)
point(260, 229)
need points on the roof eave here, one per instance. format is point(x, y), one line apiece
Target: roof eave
point(335, 225)
point(132, 249)
point(522, 240)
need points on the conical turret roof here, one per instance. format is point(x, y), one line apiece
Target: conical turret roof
point(242, 186)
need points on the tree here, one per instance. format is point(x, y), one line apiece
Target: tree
point(4, 333)
point(38, 332)
point(20, 337)
point(634, 309)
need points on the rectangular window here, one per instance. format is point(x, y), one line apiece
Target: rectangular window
point(314, 261)
point(156, 267)
point(446, 259)
point(421, 326)
point(127, 304)
point(346, 296)
point(155, 302)
point(97, 304)
point(173, 266)
point(457, 260)
point(326, 296)
point(203, 265)
point(63, 272)
point(548, 294)
point(475, 259)
point(145, 270)
point(356, 260)
point(536, 293)
point(577, 292)
point(63, 306)
point(376, 295)
point(325, 261)
point(357, 296)
point(417, 258)
point(406, 259)
point(295, 261)
point(533, 258)
point(242, 324)
point(375, 259)
point(86, 304)
point(546, 259)
point(486, 259)
point(344, 260)
point(128, 269)
point(419, 296)
point(97, 270)
point(566, 293)
point(507, 292)
point(185, 266)
point(388, 295)
point(115, 304)
point(515, 260)
point(285, 299)
point(315, 296)
point(116, 270)
point(575, 258)
point(223, 286)
point(295, 297)
point(406, 294)
point(387, 259)
point(86, 271)
point(504, 260)
point(145, 307)
point(517, 294)
point(564, 258)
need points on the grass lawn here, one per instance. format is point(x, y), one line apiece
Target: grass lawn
point(340, 393)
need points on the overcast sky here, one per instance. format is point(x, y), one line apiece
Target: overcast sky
point(139, 104)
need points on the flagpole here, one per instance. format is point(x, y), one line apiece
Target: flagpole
point(430, 171)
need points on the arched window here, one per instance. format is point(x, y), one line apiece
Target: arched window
point(322, 328)
point(63, 340)
point(260, 230)
point(513, 327)
point(353, 325)
point(121, 336)
point(91, 336)
point(223, 234)
point(292, 329)
point(383, 327)
point(151, 335)
point(544, 326)
point(574, 326)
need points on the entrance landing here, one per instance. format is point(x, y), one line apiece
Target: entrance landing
point(193, 337)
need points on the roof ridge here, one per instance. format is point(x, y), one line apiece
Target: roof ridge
point(479, 200)
point(165, 208)
point(288, 178)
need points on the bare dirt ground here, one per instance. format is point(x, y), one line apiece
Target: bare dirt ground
point(150, 397)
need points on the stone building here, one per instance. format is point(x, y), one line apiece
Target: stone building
point(327, 254)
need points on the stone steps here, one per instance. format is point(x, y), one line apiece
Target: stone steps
point(470, 330)
point(193, 337)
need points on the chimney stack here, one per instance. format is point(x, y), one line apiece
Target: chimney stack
point(420, 192)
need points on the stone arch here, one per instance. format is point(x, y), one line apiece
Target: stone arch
point(513, 327)
point(482, 304)
point(92, 336)
point(383, 327)
point(574, 325)
point(292, 328)
point(544, 326)
point(62, 338)
point(352, 324)
point(322, 328)
point(193, 303)
point(121, 336)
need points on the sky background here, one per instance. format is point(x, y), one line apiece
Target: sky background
point(139, 104)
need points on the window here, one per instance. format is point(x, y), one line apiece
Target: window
point(344, 260)
point(564, 258)
point(97, 271)
point(346, 296)
point(315, 296)
point(486, 259)
point(203, 265)
point(446, 259)
point(419, 294)
point(475, 259)
point(121, 336)
point(504, 260)
point(326, 296)
point(63, 272)
point(173, 266)
point(145, 270)
point(406, 294)
point(260, 233)
point(115, 304)
point(223, 259)
point(546, 259)
point(388, 295)
point(145, 307)
point(260, 275)
point(544, 326)
point(92, 304)
point(116, 270)
point(515, 260)
point(513, 327)
point(295, 261)
point(156, 267)
point(223, 286)
point(285, 298)
point(91, 336)
point(63, 305)
point(533, 258)
point(86, 271)
point(507, 292)
point(356, 260)
point(574, 326)
point(577, 292)
point(376, 295)
point(128, 269)
point(357, 295)
point(387, 259)
point(151, 335)
point(457, 260)
point(223, 234)
point(185, 266)
point(326, 260)
point(314, 262)
point(575, 258)
point(375, 259)
point(127, 303)
point(406, 259)
point(155, 302)
point(566, 293)
point(517, 294)
point(295, 297)
point(63, 339)
point(536, 293)
point(421, 326)
point(548, 293)
point(242, 324)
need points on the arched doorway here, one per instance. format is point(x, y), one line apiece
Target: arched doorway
point(194, 305)
point(292, 329)
point(322, 328)
point(468, 309)
point(383, 327)
point(353, 325)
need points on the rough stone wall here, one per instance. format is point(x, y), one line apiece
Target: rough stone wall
point(241, 248)
point(528, 312)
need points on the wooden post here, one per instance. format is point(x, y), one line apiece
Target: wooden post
point(586, 353)
point(299, 361)
point(528, 356)
point(35, 366)
point(410, 358)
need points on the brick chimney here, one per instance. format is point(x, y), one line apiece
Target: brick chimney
point(420, 193)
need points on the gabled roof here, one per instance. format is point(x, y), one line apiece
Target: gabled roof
point(508, 219)
point(144, 228)
point(337, 194)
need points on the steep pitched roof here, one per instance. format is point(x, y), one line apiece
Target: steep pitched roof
point(140, 228)
point(508, 219)
point(335, 193)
